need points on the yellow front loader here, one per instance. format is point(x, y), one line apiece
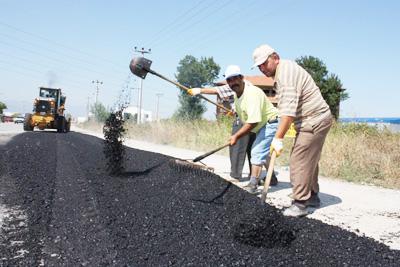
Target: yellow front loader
point(48, 112)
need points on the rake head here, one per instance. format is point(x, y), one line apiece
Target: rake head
point(197, 168)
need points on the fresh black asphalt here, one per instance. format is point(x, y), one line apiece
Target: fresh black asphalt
point(68, 211)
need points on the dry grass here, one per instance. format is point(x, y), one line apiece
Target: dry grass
point(353, 152)
point(201, 135)
point(361, 153)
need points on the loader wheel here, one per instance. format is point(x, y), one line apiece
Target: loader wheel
point(61, 124)
point(68, 125)
point(27, 122)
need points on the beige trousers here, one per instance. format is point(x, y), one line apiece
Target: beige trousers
point(305, 156)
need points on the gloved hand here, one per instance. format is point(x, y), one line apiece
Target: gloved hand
point(230, 113)
point(277, 145)
point(194, 91)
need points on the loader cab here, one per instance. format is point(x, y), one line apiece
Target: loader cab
point(49, 93)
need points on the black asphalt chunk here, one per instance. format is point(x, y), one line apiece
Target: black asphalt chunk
point(114, 149)
point(69, 211)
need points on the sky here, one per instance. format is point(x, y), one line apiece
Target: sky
point(71, 43)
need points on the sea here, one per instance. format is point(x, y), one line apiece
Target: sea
point(393, 124)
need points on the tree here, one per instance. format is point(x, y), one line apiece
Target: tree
point(194, 73)
point(2, 107)
point(330, 85)
point(100, 112)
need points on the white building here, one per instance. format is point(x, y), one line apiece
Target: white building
point(132, 111)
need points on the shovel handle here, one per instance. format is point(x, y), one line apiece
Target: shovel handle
point(268, 178)
point(186, 89)
point(210, 153)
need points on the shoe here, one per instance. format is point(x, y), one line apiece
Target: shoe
point(274, 180)
point(244, 179)
point(234, 179)
point(252, 185)
point(296, 210)
point(313, 201)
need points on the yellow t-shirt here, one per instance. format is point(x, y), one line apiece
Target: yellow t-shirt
point(253, 106)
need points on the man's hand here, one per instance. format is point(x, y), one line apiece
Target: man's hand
point(230, 113)
point(233, 139)
point(194, 91)
point(277, 145)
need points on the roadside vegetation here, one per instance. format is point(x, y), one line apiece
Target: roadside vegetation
point(353, 152)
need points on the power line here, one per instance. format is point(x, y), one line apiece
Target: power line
point(57, 43)
point(50, 50)
point(58, 60)
point(188, 25)
point(178, 18)
point(226, 21)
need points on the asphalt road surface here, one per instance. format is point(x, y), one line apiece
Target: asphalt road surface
point(59, 207)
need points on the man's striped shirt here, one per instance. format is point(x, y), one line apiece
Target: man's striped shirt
point(297, 94)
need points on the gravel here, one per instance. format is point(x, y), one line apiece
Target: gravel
point(68, 211)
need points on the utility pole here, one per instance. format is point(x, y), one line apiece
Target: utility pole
point(131, 93)
point(157, 105)
point(97, 82)
point(88, 107)
point(139, 117)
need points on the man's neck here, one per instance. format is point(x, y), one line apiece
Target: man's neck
point(241, 90)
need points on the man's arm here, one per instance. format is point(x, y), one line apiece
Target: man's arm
point(208, 91)
point(284, 126)
point(277, 142)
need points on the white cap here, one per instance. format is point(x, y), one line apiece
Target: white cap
point(232, 71)
point(261, 54)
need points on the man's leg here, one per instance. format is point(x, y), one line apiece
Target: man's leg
point(259, 153)
point(304, 159)
point(237, 152)
point(252, 138)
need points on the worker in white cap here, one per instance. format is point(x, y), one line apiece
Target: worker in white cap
point(299, 102)
point(237, 152)
point(258, 116)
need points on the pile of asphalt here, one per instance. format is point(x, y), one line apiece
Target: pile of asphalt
point(151, 215)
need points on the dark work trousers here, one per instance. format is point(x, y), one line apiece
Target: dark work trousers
point(237, 153)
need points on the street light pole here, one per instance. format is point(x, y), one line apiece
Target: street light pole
point(139, 117)
point(97, 89)
point(157, 106)
point(88, 107)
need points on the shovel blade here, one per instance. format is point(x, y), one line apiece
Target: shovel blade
point(140, 66)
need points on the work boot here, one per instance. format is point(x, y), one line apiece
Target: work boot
point(274, 180)
point(313, 201)
point(244, 178)
point(297, 209)
point(252, 185)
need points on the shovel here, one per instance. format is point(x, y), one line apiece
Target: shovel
point(268, 178)
point(140, 66)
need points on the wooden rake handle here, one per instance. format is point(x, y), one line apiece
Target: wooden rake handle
point(186, 89)
point(268, 178)
point(210, 153)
